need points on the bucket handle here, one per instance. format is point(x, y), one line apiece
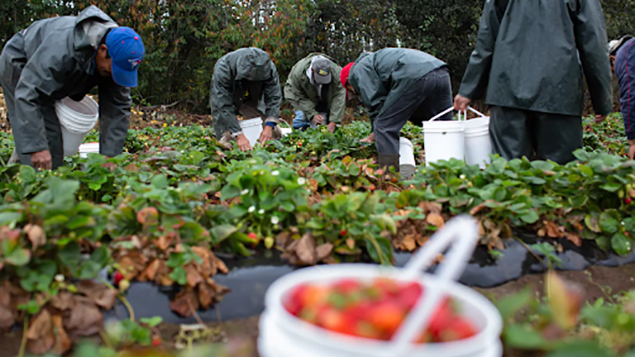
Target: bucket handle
point(464, 113)
point(284, 121)
point(462, 233)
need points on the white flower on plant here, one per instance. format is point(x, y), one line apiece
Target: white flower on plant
point(275, 220)
point(462, 177)
point(244, 192)
point(59, 278)
point(251, 209)
point(301, 180)
point(261, 211)
point(275, 173)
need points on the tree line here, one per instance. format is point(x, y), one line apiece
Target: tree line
point(185, 38)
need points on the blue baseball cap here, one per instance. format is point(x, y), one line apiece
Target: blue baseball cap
point(126, 49)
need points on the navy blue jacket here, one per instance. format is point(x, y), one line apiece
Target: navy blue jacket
point(625, 72)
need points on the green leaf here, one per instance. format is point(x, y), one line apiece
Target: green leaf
point(32, 307)
point(611, 187)
point(159, 181)
point(151, 321)
point(621, 244)
point(179, 275)
point(70, 255)
point(581, 349)
point(604, 243)
point(379, 249)
point(629, 224)
point(80, 221)
point(222, 232)
point(608, 224)
point(89, 269)
point(7, 218)
point(578, 201)
point(509, 305)
point(521, 336)
point(100, 256)
point(354, 169)
point(18, 257)
point(586, 171)
point(542, 165)
point(592, 224)
point(530, 217)
point(27, 173)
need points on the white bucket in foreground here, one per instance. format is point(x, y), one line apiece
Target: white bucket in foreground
point(478, 145)
point(76, 119)
point(285, 131)
point(88, 148)
point(252, 128)
point(443, 140)
point(407, 165)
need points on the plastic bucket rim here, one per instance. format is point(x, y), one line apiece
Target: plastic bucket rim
point(275, 293)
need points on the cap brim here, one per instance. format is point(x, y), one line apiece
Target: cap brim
point(124, 78)
point(323, 79)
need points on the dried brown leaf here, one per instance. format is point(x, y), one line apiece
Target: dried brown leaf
point(63, 301)
point(350, 242)
point(575, 238)
point(324, 251)
point(36, 235)
point(7, 319)
point(306, 249)
point(185, 303)
point(62, 341)
point(151, 271)
point(553, 231)
point(435, 219)
point(40, 334)
point(408, 243)
point(99, 294)
point(84, 320)
point(430, 207)
point(193, 276)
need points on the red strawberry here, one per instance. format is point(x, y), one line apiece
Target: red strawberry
point(253, 236)
point(343, 232)
point(156, 342)
point(441, 320)
point(458, 329)
point(335, 321)
point(347, 286)
point(409, 295)
point(628, 200)
point(118, 278)
point(387, 317)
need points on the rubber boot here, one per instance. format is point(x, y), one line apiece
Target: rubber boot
point(387, 161)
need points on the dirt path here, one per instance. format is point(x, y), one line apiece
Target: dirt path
point(596, 281)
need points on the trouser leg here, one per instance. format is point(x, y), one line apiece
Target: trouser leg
point(300, 121)
point(439, 100)
point(557, 137)
point(511, 131)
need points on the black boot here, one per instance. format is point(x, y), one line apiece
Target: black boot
point(387, 161)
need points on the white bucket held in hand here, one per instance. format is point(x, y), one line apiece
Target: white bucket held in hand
point(443, 140)
point(252, 128)
point(284, 335)
point(76, 120)
point(88, 148)
point(478, 144)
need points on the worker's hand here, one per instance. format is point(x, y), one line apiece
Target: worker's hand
point(266, 135)
point(461, 103)
point(369, 139)
point(599, 118)
point(631, 149)
point(243, 142)
point(42, 160)
point(331, 127)
point(318, 119)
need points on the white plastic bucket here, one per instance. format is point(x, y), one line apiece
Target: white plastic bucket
point(443, 140)
point(285, 131)
point(85, 149)
point(252, 128)
point(406, 152)
point(478, 145)
point(76, 119)
point(284, 335)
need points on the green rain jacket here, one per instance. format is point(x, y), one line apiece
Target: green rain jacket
point(380, 78)
point(229, 83)
point(303, 95)
point(534, 54)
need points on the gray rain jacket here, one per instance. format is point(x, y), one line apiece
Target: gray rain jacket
point(53, 59)
point(232, 74)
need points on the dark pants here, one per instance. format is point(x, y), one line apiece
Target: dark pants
point(516, 133)
point(429, 96)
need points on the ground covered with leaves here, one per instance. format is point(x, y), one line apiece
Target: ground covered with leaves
point(73, 240)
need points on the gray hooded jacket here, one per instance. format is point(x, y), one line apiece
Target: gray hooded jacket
point(233, 73)
point(53, 59)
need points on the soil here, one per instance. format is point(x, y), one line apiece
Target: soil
point(596, 281)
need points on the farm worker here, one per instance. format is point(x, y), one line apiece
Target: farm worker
point(528, 64)
point(67, 56)
point(245, 82)
point(396, 85)
point(316, 98)
point(622, 55)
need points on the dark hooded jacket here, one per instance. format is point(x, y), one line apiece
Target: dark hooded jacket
point(233, 74)
point(534, 54)
point(53, 59)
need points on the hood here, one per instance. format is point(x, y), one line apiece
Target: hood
point(253, 64)
point(90, 27)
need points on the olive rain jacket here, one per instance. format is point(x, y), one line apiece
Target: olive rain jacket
point(381, 78)
point(233, 74)
point(532, 55)
point(53, 59)
point(303, 95)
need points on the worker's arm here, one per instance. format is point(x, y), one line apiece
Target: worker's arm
point(114, 118)
point(273, 96)
point(222, 101)
point(338, 103)
point(44, 74)
point(298, 99)
point(590, 36)
point(476, 75)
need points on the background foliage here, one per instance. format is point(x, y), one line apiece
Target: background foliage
point(185, 38)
